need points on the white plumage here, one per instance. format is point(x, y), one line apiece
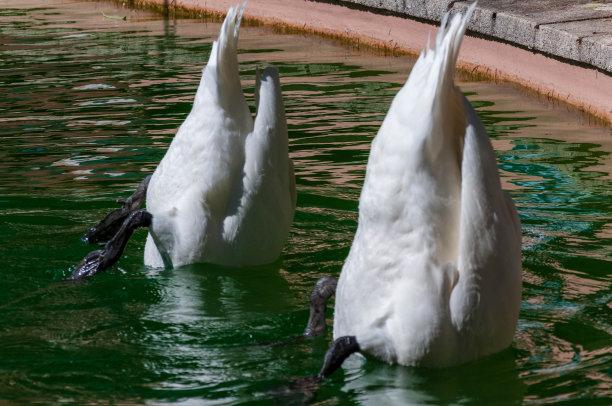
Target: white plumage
point(224, 193)
point(433, 277)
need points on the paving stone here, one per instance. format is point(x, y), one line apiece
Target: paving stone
point(576, 30)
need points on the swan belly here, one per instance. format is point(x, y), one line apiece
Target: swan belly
point(411, 310)
point(192, 231)
point(181, 221)
point(177, 236)
point(398, 308)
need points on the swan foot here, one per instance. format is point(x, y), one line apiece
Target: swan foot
point(100, 260)
point(323, 290)
point(340, 349)
point(110, 224)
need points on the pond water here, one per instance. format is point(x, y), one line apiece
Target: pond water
point(89, 105)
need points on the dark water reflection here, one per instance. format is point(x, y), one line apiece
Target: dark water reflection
point(90, 105)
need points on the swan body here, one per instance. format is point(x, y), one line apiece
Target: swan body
point(224, 192)
point(433, 277)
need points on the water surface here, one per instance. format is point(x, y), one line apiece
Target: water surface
point(89, 105)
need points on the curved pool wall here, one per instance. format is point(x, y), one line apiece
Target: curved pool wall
point(515, 45)
point(577, 31)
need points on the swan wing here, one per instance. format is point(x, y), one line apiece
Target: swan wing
point(486, 301)
point(260, 223)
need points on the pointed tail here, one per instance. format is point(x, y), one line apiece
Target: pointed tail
point(432, 81)
point(221, 74)
point(448, 44)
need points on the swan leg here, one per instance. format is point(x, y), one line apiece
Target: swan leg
point(99, 260)
point(110, 224)
point(340, 349)
point(323, 290)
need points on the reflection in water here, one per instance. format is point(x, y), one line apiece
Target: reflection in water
point(493, 380)
point(214, 315)
point(91, 105)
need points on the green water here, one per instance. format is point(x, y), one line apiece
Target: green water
point(89, 105)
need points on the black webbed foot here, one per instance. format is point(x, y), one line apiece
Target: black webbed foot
point(89, 266)
point(340, 349)
point(100, 260)
point(323, 290)
point(110, 224)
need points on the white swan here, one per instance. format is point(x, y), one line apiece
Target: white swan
point(224, 192)
point(433, 277)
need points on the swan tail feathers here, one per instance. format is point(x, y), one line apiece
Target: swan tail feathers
point(239, 18)
point(432, 81)
point(448, 43)
point(221, 75)
point(436, 65)
point(434, 77)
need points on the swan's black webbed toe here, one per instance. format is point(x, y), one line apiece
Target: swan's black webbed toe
point(340, 349)
point(323, 290)
point(109, 225)
point(100, 260)
point(89, 266)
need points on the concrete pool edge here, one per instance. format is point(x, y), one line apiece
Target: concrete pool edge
point(585, 88)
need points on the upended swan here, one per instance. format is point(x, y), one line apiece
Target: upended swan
point(224, 192)
point(433, 276)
